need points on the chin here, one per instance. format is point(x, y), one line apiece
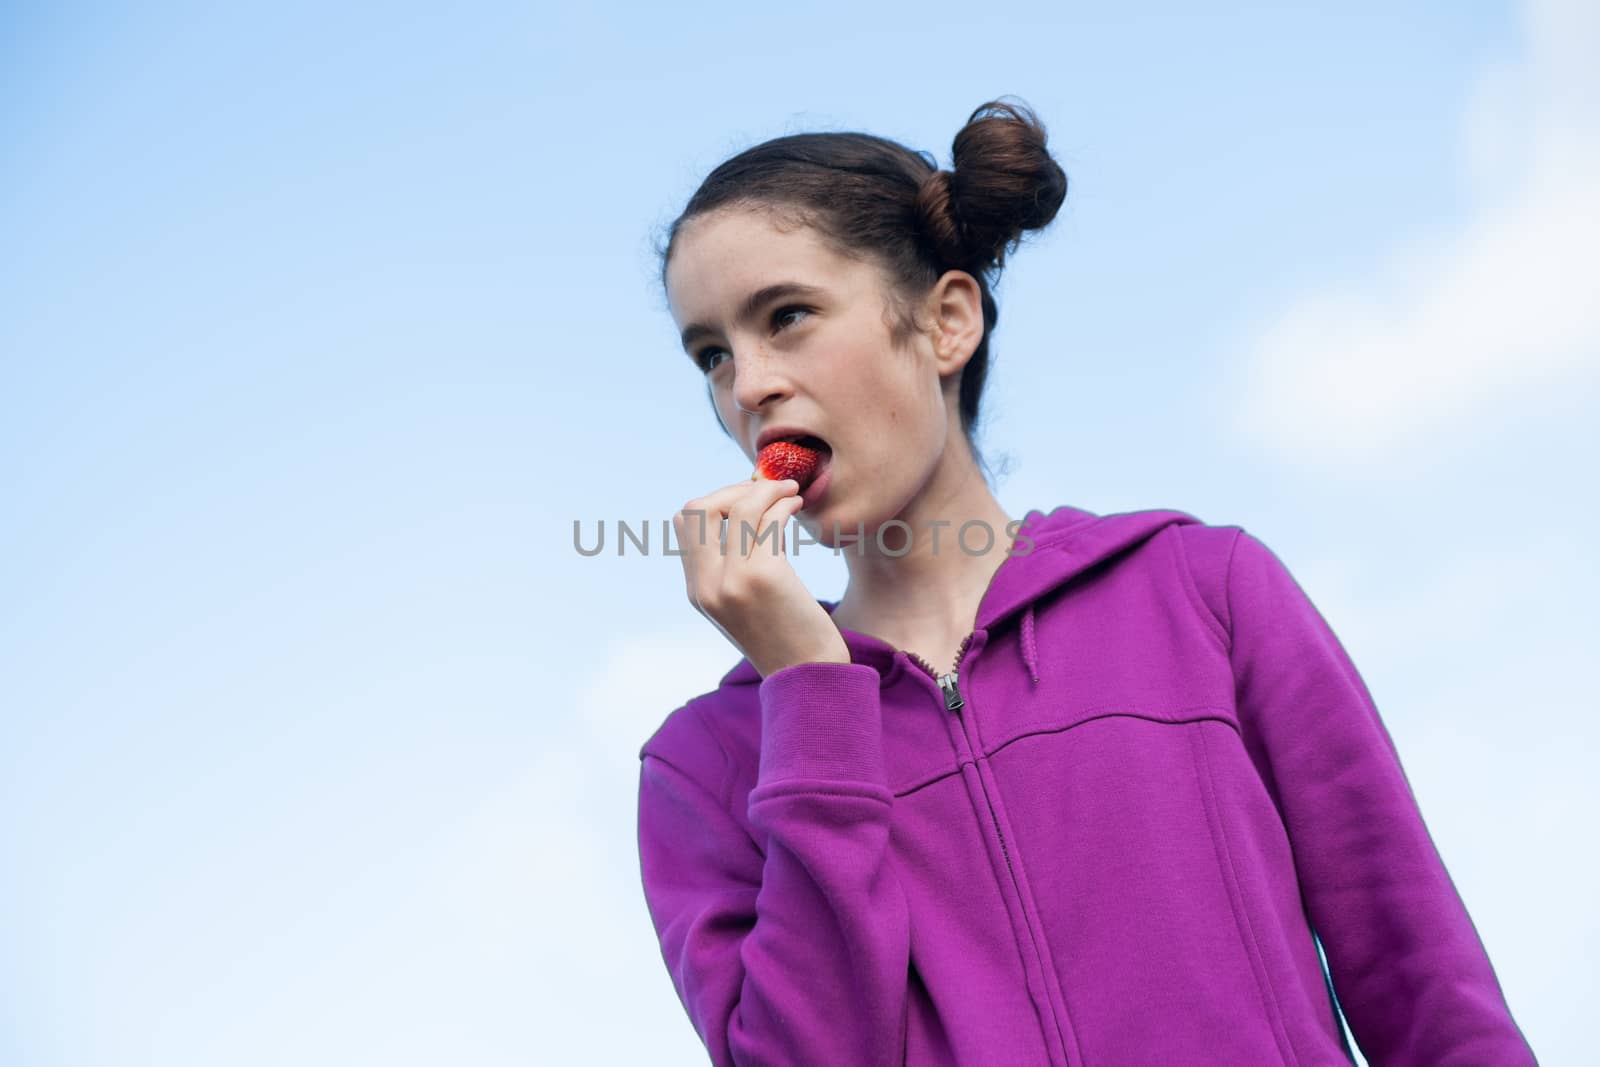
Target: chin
point(842, 529)
point(819, 526)
point(829, 526)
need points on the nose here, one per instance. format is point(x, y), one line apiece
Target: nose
point(757, 379)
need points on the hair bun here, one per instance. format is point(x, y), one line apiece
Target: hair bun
point(1004, 183)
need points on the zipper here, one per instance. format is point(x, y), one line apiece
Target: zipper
point(961, 653)
point(949, 685)
point(952, 695)
point(953, 703)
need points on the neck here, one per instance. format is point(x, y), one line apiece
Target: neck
point(936, 585)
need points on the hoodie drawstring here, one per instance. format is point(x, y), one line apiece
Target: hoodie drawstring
point(1030, 654)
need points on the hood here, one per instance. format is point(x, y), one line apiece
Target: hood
point(1065, 543)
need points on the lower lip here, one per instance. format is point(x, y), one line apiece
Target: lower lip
point(812, 494)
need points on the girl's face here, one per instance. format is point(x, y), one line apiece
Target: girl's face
point(793, 336)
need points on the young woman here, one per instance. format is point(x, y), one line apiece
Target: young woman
point(1070, 789)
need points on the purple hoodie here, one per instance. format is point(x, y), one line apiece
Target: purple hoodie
point(1113, 835)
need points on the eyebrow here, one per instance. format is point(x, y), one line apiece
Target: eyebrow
point(752, 304)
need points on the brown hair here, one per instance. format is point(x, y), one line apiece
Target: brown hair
point(868, 196)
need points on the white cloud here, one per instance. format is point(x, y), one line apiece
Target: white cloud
point(1515, 592)
point(1450, 326)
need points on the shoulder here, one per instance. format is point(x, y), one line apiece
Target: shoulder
point(694, 739)
point(1207, 550)
point(1228, 566)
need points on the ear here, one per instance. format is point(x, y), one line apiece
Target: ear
point(955, 307)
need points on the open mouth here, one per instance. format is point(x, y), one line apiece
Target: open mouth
point(805, 440)
point(797, 456)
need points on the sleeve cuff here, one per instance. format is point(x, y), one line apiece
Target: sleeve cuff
point(822, 720)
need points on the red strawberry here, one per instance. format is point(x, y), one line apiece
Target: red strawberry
point(785, 459)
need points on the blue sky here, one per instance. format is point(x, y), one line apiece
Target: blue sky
point(318, 330)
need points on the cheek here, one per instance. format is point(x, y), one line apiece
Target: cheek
point(722, 403)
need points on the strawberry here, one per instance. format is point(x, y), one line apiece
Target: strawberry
point(785, 459)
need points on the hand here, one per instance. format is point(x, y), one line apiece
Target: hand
point(745, 585)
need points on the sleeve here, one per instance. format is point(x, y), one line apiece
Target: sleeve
point(796, 949)
point(1406, 961)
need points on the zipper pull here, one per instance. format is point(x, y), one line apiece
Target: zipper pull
point(952, 695)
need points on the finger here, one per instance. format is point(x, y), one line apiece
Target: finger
point(787, 509)
point(704, 515)
point(771, 531)
point(755, 529)
point(698, 525)
point(686, 532)
point(746, 514)
point(721, 501)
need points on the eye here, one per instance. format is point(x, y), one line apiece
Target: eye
point(782, 314)
point(706, 359)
